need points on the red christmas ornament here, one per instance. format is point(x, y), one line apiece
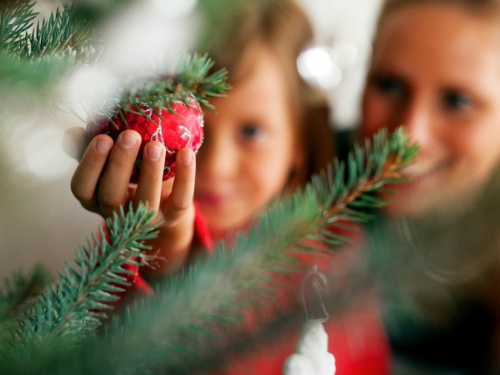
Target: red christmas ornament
point(177, 128)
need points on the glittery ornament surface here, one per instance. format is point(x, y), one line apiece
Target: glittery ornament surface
point(177, 128)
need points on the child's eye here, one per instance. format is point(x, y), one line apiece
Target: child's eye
point(250, 131)
point(390, 86)
point(455, 100)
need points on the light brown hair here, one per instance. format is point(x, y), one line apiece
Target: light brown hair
point(478, 7)
point(284, 29)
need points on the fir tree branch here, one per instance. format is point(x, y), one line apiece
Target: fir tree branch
point(368, 171)
point(15, 20)
point(19, 288)
point(72, 309)
point(36, 54)
point(197, 313)
point(16, 73)
point(63, 33)
point(99, 11)
point(16, 296)
point(192, 76)
point(65, 39)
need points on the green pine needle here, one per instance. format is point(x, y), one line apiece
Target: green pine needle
point(63, 33)
point(19, 288)
point(194, 316)
point(74, 307)
point(195, 75)
point(34, 55)
point(192, 77)
point(29, 50)
point(17, 294)
point(15, 20)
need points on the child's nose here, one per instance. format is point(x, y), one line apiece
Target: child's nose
point(217, 159)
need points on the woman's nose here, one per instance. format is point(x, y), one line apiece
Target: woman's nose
point(417, 119)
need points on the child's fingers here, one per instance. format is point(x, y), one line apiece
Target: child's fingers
point(151, 178)
point(180, 200)
point(113, 185)
point(86, 177)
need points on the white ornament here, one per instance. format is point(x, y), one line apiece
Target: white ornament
point(312, 357)
point(298, 364)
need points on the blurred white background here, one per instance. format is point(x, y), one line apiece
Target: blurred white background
point(343, 33)
point(40, 221)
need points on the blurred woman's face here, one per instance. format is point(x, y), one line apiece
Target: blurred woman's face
point(436, 71)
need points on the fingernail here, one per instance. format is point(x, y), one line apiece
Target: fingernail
point(103, 147)
point(186, 158)
point(153, 152)
point(128, 140)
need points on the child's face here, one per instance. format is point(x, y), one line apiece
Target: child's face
point(249, 150)
point(436, 70)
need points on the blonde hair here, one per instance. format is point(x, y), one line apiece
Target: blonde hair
point(283, 28)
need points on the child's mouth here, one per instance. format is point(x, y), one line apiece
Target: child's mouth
point(212, 199)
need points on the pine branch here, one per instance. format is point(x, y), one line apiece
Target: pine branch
point(36, 54)
point(66, 39)
point(15, 20)
point(63, 33)
point(99, 11)
point(192, 76)
point(195, 314)
point(71, 310)
point(17, 294)
point(368, 170)
point(35, 75)
point(19, 288)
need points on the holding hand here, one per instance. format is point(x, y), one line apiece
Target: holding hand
point(101, 185)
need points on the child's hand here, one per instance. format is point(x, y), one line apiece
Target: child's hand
point(101, 185)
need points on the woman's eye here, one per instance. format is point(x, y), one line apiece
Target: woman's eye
point(456, 100)
point(390, 86)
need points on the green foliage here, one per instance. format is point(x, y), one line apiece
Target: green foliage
point(250, 277)
point(197, 317)
point(61, 34)
point(17, 295)
point(15, 20)
point(194, 74)
point(19, 288)
point(28, 49)
point(36, 54)
point(192, 77)
point(97, 11)
point(70, 311)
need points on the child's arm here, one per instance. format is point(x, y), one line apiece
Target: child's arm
point(101, 184)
